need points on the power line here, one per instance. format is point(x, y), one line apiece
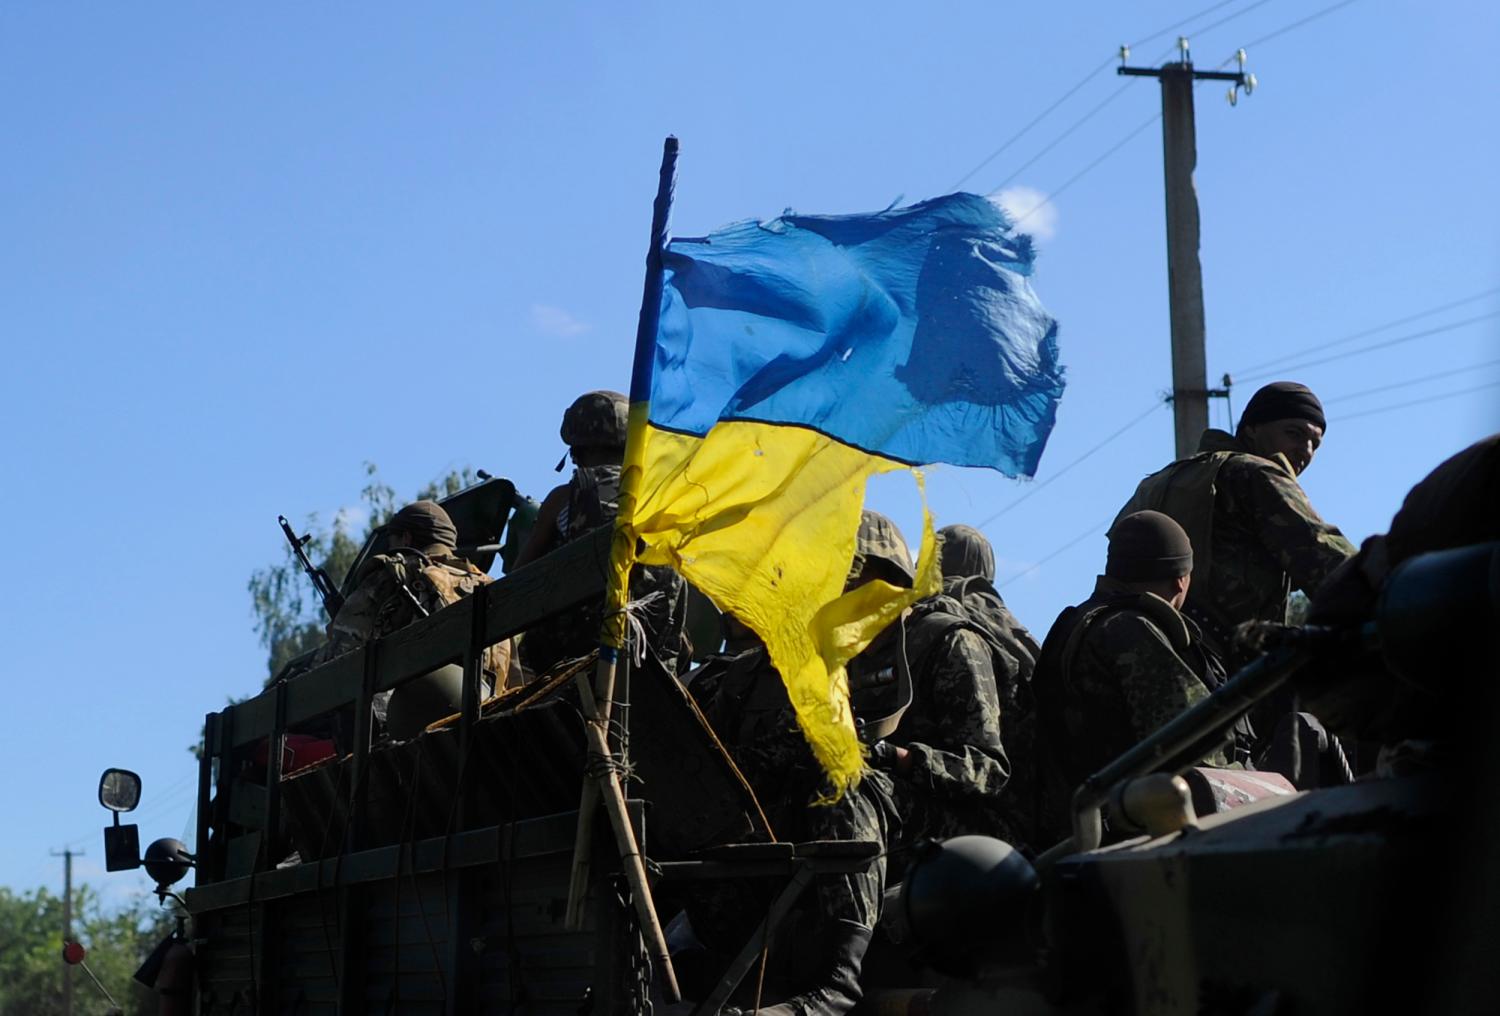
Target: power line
point(1194, 17)
point(1372, 347)
point(1406, 383)
point(167, 804)
point(1230, 17)
point(1018, 135)
point(1087, 169)
point(1371, 331)
point(1057, 475)
point(1023, 167)
point(1065, 547)
point(1298, 23)
point(1078, 86)
point(1419, 402)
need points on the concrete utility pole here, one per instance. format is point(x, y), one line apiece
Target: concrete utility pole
point(67, 856)
point(1190, 389)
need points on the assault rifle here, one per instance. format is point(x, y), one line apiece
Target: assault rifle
point(333, 600)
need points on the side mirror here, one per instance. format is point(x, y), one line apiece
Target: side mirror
point(119, 790)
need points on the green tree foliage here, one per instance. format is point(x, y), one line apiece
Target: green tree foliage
point(289, 615)
point(118, 940)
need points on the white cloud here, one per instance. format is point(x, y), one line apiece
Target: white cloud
point(1025, 208)
point(556, 321)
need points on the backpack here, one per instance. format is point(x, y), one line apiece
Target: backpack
point(1185, 491)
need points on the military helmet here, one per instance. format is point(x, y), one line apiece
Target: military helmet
point(596, 420)
point(425, 700)
point(878, 539)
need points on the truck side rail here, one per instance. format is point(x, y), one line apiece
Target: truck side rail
point(459, 633)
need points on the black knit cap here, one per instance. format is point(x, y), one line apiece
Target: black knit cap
point(427, 523)
point(1283, 400)
point(1146, 547)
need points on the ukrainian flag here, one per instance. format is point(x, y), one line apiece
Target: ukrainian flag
point(793, 360)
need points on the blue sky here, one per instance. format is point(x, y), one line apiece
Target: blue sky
point(248, 249)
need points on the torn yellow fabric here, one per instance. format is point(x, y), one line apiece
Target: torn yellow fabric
point(762, 518)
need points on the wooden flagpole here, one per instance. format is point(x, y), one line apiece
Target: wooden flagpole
point(601, 777)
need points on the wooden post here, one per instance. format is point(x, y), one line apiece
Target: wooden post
point(608, 783)
point(602, 779)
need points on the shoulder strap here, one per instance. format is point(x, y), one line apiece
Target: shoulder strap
point(1069, 651)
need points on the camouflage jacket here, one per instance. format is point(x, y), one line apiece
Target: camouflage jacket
point(1255, 535)
point(385, 598)
point(952, 728)
point(984, 606)
point(1113, 670)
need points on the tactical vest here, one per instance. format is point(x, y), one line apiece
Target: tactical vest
point(593, 500)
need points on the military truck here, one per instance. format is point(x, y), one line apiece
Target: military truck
point(433, 875)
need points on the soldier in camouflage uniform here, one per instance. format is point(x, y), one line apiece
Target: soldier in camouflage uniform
point(816, 957)
point(593, 428)
point(1254, 534)
point(968, 564)
point(945, 755)
point(1120, 665)
point(418, 575)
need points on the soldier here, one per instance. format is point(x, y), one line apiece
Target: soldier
point(1121, 664)
point(419, 574)
point(593, 428)
point(1254, 534)
point(968, 564)
point(816, 959)
point(945, 755)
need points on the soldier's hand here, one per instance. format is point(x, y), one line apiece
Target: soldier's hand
point(890, 757)
point(1259, 636)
